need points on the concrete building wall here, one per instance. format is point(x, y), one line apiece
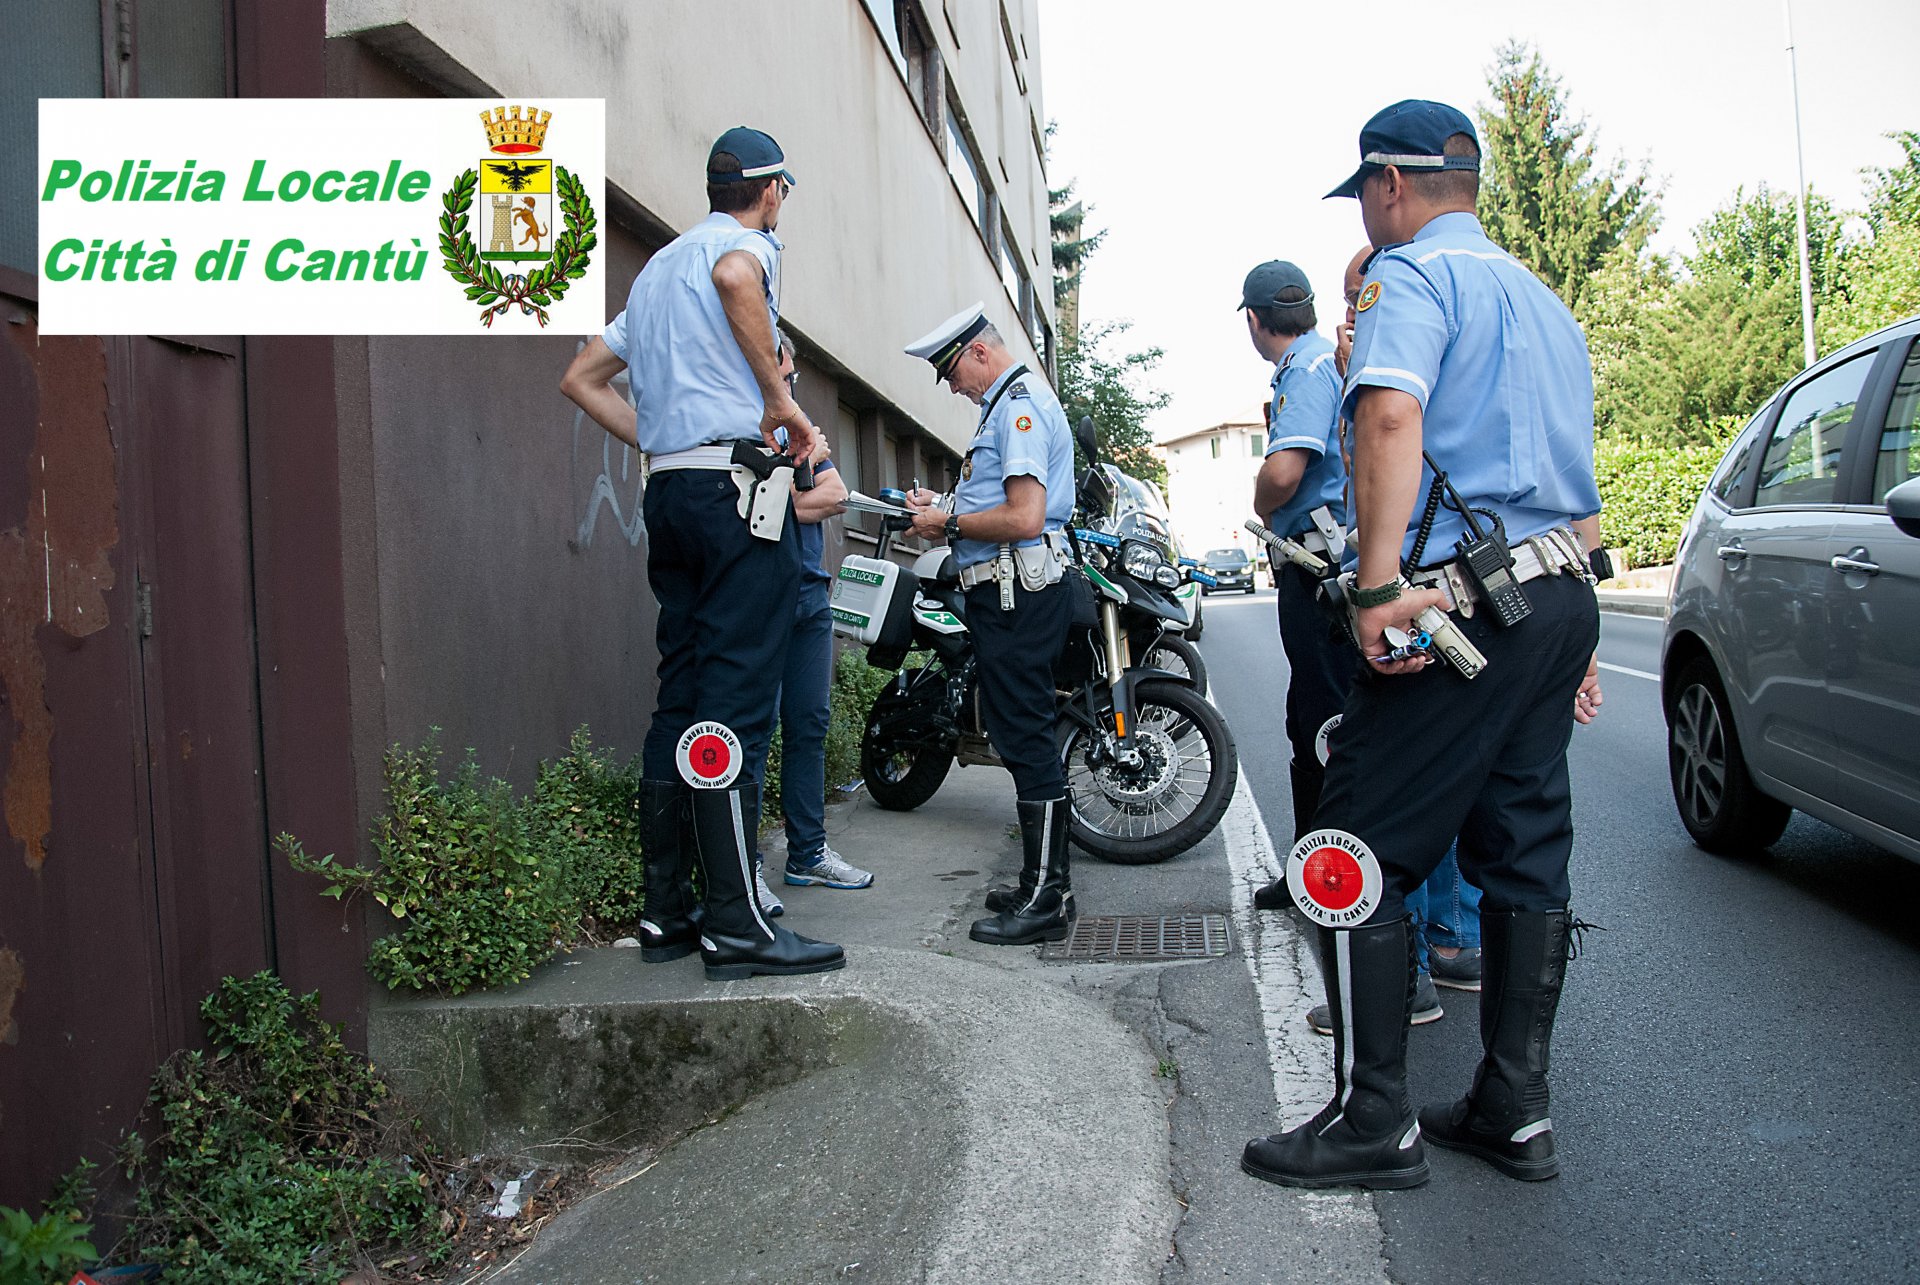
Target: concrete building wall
point(879, 243)
point(1210, 486)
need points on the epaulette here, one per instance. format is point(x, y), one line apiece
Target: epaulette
point(1019, 390)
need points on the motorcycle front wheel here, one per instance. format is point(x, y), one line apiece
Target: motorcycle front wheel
point(1172, 798)
point(1179, 657)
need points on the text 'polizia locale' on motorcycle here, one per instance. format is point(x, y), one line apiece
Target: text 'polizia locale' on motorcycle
point(1150, 764)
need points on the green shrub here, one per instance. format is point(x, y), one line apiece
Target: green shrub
point(1648, 491)
point(279, 1157)
point(478, 903)
point(47, 1250)
point(585, 819)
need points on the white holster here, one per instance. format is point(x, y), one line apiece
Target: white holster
point(764, 502)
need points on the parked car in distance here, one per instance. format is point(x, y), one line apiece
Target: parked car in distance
point(1790, 667)
point(1232, 568)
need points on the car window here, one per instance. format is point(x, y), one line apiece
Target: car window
point(1898, 460)
point(1730, 479)
point(1226, 556)
point(1802, 460)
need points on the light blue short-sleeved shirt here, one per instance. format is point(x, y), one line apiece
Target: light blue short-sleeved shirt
point(1025, 433)
point(1500, 369)
point(691, 383)
point(1305, 416)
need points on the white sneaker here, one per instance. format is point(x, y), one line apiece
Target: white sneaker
point(830, 870)
point(770, 906)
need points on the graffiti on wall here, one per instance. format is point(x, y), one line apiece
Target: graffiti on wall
point(618, 485)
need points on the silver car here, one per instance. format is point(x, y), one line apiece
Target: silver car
point(1790, 668)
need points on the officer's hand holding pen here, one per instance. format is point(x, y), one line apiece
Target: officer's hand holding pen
point(1370, 624)
point(929, 519)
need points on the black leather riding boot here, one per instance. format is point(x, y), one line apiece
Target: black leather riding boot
point(1367, 1135)
point(737, 940)
point(1043, 908)
point(670, 926)
point(1503, 1119)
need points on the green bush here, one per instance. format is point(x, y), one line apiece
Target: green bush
point(47, 1250)
point(585, 819)
point(1648, 491)
point(278, 1158)
point(478, 903)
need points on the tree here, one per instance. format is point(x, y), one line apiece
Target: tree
point(1072, 242)
point(1107, 387)
point(1878, 278)
point(1756, 239)
point(1545, 197)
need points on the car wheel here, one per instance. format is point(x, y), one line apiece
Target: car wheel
point(1721, 807)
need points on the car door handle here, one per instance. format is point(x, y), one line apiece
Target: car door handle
point(1855, 566)
point(1731, 551)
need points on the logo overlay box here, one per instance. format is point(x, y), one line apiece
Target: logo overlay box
point(307, 216)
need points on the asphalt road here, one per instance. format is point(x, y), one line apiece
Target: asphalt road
point(1737, 1060)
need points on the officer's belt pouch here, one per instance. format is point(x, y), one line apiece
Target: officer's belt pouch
point(764, 501)
point(1039, 565)
point(873, 603)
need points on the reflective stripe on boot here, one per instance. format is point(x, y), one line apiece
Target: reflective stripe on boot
point(1367, 1135)
point(1504, 1119)
point(1041, 911)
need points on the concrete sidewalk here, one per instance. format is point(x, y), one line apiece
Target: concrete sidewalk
point(938, 1110)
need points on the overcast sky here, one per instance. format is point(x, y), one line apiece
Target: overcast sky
point(1205, 134)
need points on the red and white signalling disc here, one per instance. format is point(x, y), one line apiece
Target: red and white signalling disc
point(1335, 879)
point(1322, 739)
point(709, 756)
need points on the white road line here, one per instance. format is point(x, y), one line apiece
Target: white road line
point(1286, 983)
point(1280, 956)
point(1637, 673)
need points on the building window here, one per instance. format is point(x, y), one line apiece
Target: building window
point(926, 78)
point(963, 163)
point(1214, 442)
point(1013, 52)
point(1010, 274)
point(1253, 445)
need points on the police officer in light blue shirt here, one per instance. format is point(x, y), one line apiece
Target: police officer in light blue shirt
point(1462, 351)
point(698, 334)
point(1015, 496)
point(1300, 493)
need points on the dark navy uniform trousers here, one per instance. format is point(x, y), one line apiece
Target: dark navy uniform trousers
point(1419, 758)
point(1321, 665)
point(1017, 650)
point(726, 612)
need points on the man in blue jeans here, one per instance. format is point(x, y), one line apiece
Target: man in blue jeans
point(805, 689)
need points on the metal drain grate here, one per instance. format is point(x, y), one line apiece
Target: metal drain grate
point(1143, 937)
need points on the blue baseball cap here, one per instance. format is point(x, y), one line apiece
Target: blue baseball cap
point(759, 156)
point(1263, 285)
point(1412, 135)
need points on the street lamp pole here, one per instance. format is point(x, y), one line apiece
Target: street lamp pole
point(1800, 192)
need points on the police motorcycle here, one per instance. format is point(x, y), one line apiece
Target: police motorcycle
point(1134, 510)
point(1150, 764)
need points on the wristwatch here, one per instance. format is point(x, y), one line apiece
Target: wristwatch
point(1379, 596)
point(953, 526)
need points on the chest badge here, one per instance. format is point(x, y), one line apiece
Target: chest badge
point(1279, 403)
point(1024, 423)
point(966, 468)
point(1368, 297)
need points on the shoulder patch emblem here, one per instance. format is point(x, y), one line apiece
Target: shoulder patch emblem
point(1368, 297)
point(1024, 423)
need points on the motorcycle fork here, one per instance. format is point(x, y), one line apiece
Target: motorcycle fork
point(1119, 690)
